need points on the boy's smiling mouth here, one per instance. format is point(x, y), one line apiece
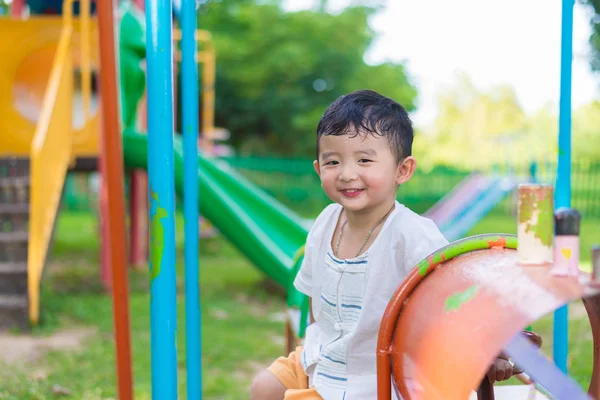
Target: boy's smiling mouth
point(351, 192)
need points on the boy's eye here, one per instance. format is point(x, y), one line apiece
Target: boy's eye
point(364, 160)
point(333, 162)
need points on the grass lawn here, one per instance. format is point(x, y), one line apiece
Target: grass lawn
point(242, 320)
point(242, 326)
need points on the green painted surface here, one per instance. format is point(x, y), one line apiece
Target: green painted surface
point(455, 301)
point(463, 246)
point(544, 229)
point(157, 235)
point(532, 202)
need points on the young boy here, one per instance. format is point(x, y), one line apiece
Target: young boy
point(357, 253)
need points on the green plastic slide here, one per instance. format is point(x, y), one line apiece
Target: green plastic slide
point(264, 230)
point(269, 234)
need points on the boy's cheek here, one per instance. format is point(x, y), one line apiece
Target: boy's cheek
point(327, 182)
point(377, 183)
point(382, 181)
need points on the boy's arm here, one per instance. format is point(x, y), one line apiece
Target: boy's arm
point(312, 317)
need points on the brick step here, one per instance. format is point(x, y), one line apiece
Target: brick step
point(13, 247)
point(13, 267)
point(13, 278)
point(14, 167)
point(16, 181)
point(11, 252)
point(14, 312)
point(14, 208)
point(14, 190)
point(14, 218)
point(13, 237)
point(15, 184)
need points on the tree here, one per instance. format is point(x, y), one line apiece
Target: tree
point(277, 71)
point(586, 140)
point(474, 128)
point(595, 36)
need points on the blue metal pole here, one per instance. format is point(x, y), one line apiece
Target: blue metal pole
point(161, 170)
point(189, 72)
point(562, 197)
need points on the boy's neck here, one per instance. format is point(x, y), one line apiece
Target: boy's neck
point(365, 220)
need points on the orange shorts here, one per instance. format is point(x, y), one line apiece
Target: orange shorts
point(290, 373)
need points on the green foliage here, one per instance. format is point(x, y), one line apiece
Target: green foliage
point(586, 121)
point(475, 123)
point(277, 71)
point(595, 36)
point(478, 129)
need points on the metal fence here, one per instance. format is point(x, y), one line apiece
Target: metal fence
point(295, 183)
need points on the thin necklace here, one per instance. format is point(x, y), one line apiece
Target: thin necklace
point(339, 240)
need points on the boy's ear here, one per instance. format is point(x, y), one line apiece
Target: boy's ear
point(317, 168)
point(406, 169)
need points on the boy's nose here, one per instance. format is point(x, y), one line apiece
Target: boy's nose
point(347, 173)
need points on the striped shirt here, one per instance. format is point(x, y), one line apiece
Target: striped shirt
point(349, 298)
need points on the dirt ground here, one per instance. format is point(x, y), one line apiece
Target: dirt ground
point(23, 348)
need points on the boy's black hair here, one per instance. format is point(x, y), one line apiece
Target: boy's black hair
point(368, 112)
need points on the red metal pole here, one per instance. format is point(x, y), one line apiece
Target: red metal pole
point(105, 273)
point(138, 206)
point(113, 150)
point(16, 10)
point(138, 210)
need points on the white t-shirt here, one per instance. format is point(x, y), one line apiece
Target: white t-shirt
point(350, 296)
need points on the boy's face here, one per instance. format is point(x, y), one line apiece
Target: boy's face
point(361, 172)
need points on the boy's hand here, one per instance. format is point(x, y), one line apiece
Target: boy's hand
point(501, 369)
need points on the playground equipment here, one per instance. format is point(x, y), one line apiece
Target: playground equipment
point(264, 230)
point(455, 291)
point(457, 212)
point(133, 44)
point(47, 105)
point(254, 222)
point(207, 58)
point(47, 122)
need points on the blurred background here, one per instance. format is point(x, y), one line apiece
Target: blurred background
point(479, 78)
point(481, 81)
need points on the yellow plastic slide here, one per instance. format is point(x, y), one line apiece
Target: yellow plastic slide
point(47, 116)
